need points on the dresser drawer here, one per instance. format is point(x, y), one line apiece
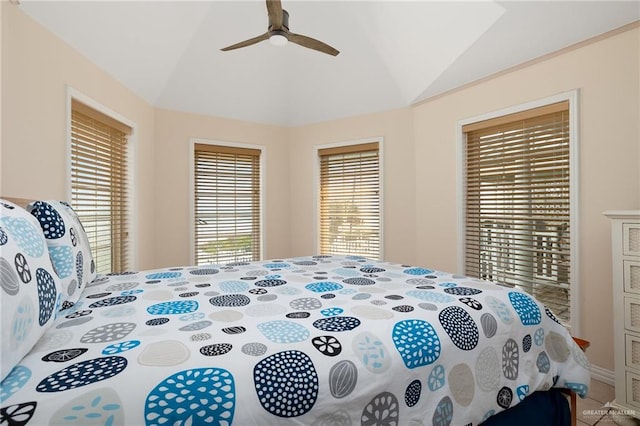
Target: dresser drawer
point(631, 276)
point(631, 239)
point(632, 314)
point(632, 351)
point(633, 389)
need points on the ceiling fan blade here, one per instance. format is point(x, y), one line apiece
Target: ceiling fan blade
point(274, 9)
point(312, 43)
point(245, 43)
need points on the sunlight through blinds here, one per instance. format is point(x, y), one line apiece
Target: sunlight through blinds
point(99, 185)
point(350, 200)
point(518, 203)
point(227, 204)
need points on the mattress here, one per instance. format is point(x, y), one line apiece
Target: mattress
point(315, 340)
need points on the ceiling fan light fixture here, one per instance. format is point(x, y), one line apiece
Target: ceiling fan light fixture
point(279, 35)
point(278, 38)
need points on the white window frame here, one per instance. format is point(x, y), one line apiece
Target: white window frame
point(192, 207)
point(316, 185)
point(132, 176)
point(574, 142)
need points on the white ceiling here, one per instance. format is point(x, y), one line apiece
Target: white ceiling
point(392, 53)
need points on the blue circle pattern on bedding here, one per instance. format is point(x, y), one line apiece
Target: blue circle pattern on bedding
point(260, 345)
point(68, 246)
point(29, 289)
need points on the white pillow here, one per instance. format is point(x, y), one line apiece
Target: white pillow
point(68, 247)
point(30, 289)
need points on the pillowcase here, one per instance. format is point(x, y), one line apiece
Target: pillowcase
point(68, 247)
point(30, 289)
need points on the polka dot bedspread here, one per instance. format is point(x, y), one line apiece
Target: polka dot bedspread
point(315, 340)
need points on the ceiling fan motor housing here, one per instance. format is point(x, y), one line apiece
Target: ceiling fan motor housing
point(285, 23)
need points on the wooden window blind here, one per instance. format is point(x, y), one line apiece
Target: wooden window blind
point(517, 203)
point(100, 184)
point(350, 200)
point(227, 204)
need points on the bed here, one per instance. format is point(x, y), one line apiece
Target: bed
point(311, 340)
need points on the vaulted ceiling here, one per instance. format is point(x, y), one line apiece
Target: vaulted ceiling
point(392, 53)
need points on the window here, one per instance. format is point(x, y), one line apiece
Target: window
point(350, 200)
point(226, 204)
point(100, 184)
point(518, 197)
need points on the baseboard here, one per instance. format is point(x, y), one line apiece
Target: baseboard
point(603, 375)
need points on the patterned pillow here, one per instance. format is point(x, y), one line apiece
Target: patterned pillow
point(68, 247)
point(30, 290)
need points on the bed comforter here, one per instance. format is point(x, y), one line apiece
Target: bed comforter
point(315, 340)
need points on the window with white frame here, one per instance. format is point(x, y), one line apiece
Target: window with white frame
point(350, 219)
point(100, 185)
point(518, 181)
point(227, 218)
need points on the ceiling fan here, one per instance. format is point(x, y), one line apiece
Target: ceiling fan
point(278, 32)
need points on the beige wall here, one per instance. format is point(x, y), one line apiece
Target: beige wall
point(419, 155)
point(607, 75)
point(174, 131)
point(36, 69)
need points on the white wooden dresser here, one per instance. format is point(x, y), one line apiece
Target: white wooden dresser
point(625, 247)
